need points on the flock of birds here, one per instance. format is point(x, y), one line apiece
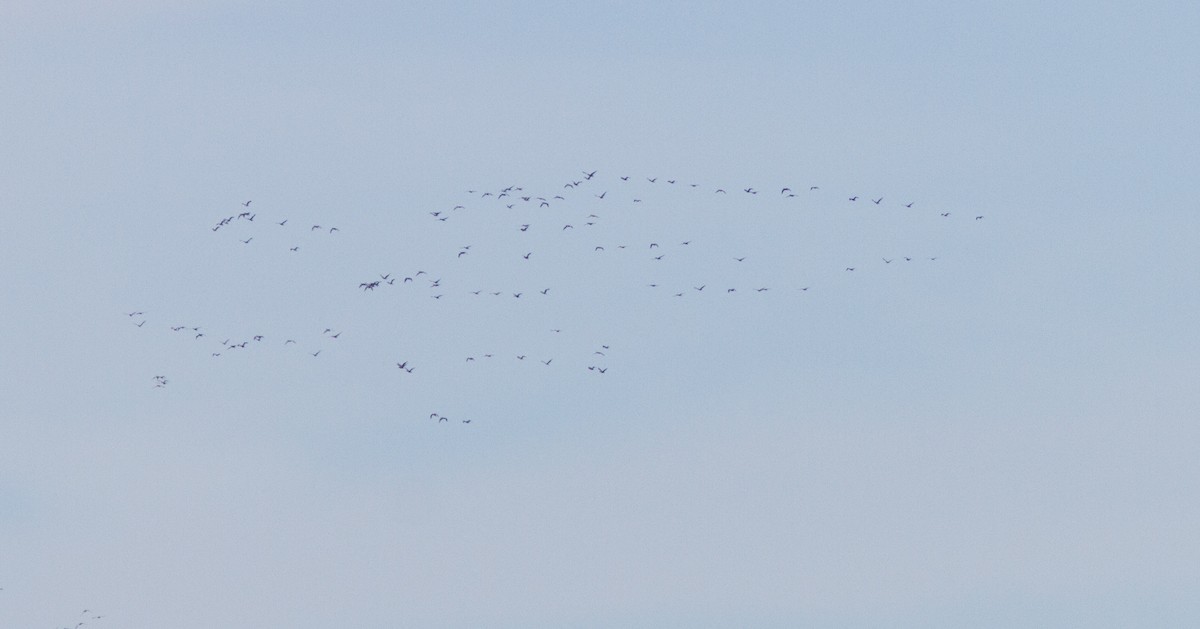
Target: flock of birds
point(586, 203)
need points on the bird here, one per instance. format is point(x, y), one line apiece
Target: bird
point(294, 249)
point(547, 362)
point(944, 214)
point(877, 201)
point(247, 241)
point(526, 256)
point(740, 259)
point(849, 268)
point(246, 204)
point(525, 228)
point(587, 175)
point(282, 223)
point(700, 287)
point(402, 365)
point(315, 227)
point(886, 261)
point(978, 218)
point(545, 291)
point(853, 198)
point(314, 354)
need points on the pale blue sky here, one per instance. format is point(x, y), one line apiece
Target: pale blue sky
point(1003, 437)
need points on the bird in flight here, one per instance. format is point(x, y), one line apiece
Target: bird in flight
point(246, 204)
point(877, 201)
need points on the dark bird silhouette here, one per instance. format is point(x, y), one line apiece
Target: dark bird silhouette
point(247, 241)
point(314, 354)
point(294, 249)
point(877, 201)
point(601, 195)
point(886, 261)
point(546, 291)
point(526, 256)
point(978, 218)
point(849, 268)
point(524, 227)
point(853, 198)
point(587, 175)
point(909, 204)
point(740, 259)
point(246, 204)
point(945, 214)
point(315, 227)
point(700, 287)
point(547, 362)
point(720, 191)
point(750, 191)
point(282, 223)
point(652, 180)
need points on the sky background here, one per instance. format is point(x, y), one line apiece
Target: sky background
point(1003, 437)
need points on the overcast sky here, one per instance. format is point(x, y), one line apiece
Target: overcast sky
point(1000, 431)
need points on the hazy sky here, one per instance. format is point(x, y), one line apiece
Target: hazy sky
point(1005, 436)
